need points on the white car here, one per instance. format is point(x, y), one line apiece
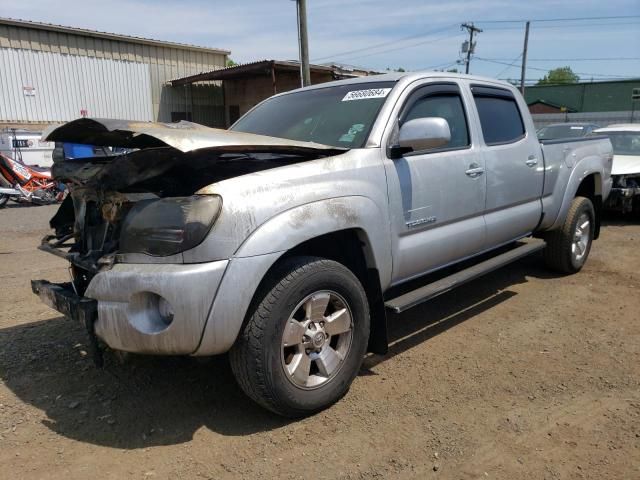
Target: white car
point(625, 138)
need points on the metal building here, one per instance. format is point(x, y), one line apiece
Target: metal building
point(247, 85)
point(602, 103)
point(607, 96)
point(52, 73)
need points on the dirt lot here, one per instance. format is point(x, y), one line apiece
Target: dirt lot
point(521, 374)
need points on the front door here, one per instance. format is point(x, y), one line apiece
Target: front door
point(437, 197)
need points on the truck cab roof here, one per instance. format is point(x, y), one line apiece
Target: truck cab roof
point(407, 78)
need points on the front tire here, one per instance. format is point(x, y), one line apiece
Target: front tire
point(3, 199)
point(568, 247)
point(304, 338)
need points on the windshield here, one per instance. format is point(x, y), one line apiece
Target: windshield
point(553, 132)
point(341, 116)
point(625, 143)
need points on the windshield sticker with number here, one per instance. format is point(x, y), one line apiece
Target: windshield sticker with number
point(366, 94)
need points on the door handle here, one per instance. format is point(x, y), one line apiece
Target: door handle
point(474, 170)
point(531, 161)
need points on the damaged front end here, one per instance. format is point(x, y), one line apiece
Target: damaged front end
point(116, 207)
point(625, 194)
point(95, 228)
point(144, 201)
point(128, 218)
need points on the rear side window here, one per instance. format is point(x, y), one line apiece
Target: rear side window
point(500, 119)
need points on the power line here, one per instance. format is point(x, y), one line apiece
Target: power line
point(603, 59)
point(440, 65)
point(564, 26)
point(390, 42)
point(512, 64)
point(425, 42)
point(546, 70)
point(612, 17)
point(340, 55)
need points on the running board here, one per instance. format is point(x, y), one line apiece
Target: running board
point(432, 290)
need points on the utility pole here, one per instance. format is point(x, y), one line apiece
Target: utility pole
point(524, 58)
point(471, 47)
point(305, 74)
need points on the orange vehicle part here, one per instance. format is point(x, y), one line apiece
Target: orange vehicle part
point(29, 178)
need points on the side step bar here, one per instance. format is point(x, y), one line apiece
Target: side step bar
point(431, 290)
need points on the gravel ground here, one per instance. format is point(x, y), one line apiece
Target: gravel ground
point(521, 374)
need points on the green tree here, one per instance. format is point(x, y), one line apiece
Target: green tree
point(231, 63)
point(559, 75)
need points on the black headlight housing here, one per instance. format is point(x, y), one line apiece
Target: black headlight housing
point(166, 226)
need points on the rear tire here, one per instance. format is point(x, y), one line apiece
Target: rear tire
point(3, 200)
point(568, 247)
point(304, 338)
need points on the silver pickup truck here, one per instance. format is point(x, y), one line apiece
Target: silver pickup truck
point(286, 239)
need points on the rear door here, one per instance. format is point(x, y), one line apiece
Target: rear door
point(513, 162)
point(436, 196)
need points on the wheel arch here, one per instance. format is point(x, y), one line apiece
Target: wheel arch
point(586, 179)
point(306, 223)
point(345, 229)
point(591, 188)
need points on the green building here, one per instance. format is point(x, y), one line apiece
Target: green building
point(612, 96)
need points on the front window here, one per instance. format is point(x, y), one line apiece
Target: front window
point(340, 116)
point(447, 106)
point(625, 143)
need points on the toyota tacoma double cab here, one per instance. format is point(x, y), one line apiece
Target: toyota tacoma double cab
point(286, 239)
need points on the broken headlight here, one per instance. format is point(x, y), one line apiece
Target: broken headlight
point(167, 226)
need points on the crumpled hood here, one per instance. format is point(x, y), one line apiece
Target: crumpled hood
point(626, 165)
point(183, 136)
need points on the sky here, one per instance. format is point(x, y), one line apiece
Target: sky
point(377, 34)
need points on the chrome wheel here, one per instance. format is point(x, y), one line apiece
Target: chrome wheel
point(581, 238)
point(317, 339)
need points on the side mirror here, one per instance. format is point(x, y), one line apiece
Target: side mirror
point(421, 134)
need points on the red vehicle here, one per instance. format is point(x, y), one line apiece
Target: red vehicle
point(26, 183)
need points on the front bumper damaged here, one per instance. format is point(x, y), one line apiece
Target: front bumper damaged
point(623, 199)
point(63, 298)
point(628, 192)
point(129, 305)
point(123, 306)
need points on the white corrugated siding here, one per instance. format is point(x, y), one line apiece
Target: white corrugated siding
point(67, 84)
point(164, 62)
